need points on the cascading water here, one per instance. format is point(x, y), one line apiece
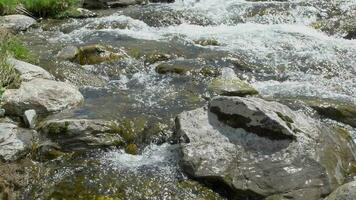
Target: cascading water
point(284, 56)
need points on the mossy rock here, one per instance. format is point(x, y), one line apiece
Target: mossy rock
point(344, 112)
point(149, 56)
point(207, 42)
point(88, 55)
point(131, 149)
point(231, 87)
point(165, 68)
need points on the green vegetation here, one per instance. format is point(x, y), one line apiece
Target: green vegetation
point(9, 78)
point(45, 8)
point(18, 50)
point(39, 8)
point(7, 6)
point(11, 46)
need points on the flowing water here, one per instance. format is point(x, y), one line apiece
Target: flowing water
point(270, 44)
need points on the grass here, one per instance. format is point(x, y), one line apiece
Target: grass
point(38, 8)
point(8, 6)
point(48, 8)
point(18, 50)
point(11, 46)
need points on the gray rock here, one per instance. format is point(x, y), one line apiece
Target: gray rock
point(230, 85)
point(30, 118)
point(42, 95)
point(68, 53)
point(17, 23)
point(254, 148)
point(81, 134)
point(28, 71)
point(345, 192)
point(15, 142)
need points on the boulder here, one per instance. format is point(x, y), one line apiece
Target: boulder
point(17, 23)
point(253, 149)
point(89, 54)
point(345, 192)
point(82, 134)
point(42, 95)
point(15, 142)
point(28, 71)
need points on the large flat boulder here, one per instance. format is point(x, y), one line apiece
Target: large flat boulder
point(17, 23)
point(42, 95)
point(15, 142)
point(253, 149)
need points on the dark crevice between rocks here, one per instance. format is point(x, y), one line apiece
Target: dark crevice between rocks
point(238, 121)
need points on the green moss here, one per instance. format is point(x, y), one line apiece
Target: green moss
point(285, 117)
point(207, 42)
point(94, 54)
point(209, 72)
point(165, 68)
point(57, 128)
point(131, 149)
point(154, 57)
point(125, 129)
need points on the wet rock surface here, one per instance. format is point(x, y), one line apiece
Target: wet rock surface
point(345, 192)
point(15, 142)
point(255, 147)
point(42, 95)
point(83, 134)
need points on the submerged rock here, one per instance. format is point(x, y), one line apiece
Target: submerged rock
point(42, 95)
point(90, 54)
point(253, 148)
point(17, 23)
point(15, 142)
point(345, 192)
point(230, 85)
point(82, 134)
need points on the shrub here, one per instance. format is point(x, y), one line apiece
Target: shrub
point(45, 8)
